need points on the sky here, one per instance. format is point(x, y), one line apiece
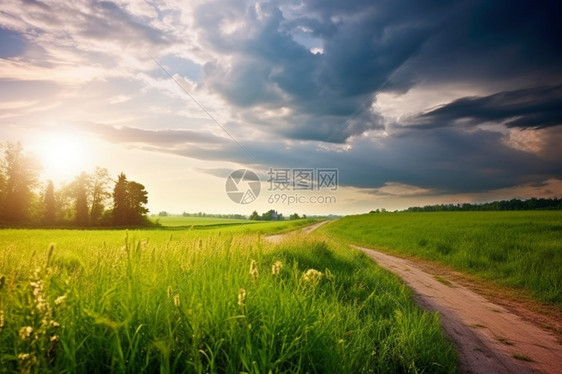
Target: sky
point(406, 102)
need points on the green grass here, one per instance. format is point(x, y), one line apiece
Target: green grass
point(522, 250)
point(174, 221)
point(205, 301)
point(226, 225)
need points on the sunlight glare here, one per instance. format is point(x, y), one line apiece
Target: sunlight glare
point(63, 156)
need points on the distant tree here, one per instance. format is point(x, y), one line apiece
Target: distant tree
point(98, 194)
point(254, 216)
point(163, 214)
point(49, 215)
point(294, 216)
point(19, 178)
point(272, 215)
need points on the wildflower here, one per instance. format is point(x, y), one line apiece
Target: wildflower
point(54, 324)
point(241, 297)
point(177, 300)
point(254, 270)
point(312, 276)
point(54, 338)
point(23, 356)
point(59, 300)
point(276, 267)
point(25, 332)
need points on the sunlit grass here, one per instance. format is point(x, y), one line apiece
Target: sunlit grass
point(205, 301)
point(175, 221)
point(517, 249)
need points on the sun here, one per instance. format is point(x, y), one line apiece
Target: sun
point(63, 156)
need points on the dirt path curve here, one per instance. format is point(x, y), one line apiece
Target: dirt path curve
point(307, 229)
point(488, 337)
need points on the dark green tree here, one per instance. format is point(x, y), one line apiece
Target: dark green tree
point(19, 178)
point(129, 200)
point(138, 198)
point(120, 201)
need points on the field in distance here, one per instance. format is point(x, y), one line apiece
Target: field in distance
point(174, 221)
point(518, 249)
point(218, 299)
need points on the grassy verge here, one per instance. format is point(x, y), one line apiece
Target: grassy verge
point(149, 301)
point(516, 249)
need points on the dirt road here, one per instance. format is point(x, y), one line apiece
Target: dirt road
point(277, 238)
point(488, 337)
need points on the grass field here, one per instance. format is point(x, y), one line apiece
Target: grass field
point(517, 249)
point(179, 221)
point(209, 300)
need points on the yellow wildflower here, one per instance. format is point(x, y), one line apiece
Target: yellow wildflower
point(254, 270)
point(241, 297)
point(312, 276)
point(25, 332)
point(59, 300)
point(276, 267)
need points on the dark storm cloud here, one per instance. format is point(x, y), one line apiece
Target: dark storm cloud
point(527, 108)
point(443, 160)
point(369, 47)
point(268, 68)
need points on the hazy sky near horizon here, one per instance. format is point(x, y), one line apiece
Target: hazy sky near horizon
point(413, 102)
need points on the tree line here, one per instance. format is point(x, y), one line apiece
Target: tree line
point(89, 200)
point(513, 204)
point(272, 215)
